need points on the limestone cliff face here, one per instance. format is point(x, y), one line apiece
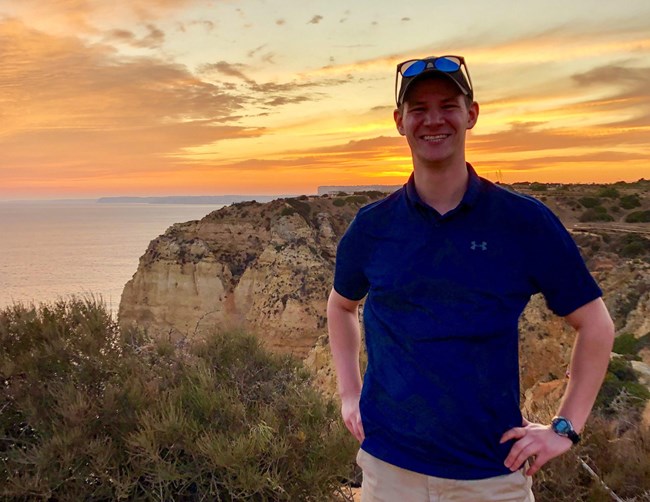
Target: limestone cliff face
point(268, 268)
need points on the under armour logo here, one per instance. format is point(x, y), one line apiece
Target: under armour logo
point(482, 246)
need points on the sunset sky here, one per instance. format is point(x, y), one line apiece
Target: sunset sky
point(209, 97)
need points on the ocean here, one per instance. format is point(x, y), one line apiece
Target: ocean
point(50, 250)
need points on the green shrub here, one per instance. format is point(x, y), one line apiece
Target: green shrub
point(598, 213)
point(621, 379)
point(608, 192)
point(300, 207)
point(638, 217)
point(339, 202)
point(538, 187)
point(622, 370)
point(91, 413)
point(626, 343)
point(630, 201)
point(634, 245)
point(357, 199)
point(589, 202)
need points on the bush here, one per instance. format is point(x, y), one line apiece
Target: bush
point(622, 370)
point(589, 202)
point(626, 343)
point(598, 213)
point(630, 201)
point(300, 207)
point(634, 245)
point(339, 202)
point(608, 192)
point(621, 379)
point(538, 187)
point(92, 413)
point(638, 217)
point(357, 199)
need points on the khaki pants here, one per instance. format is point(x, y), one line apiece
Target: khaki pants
point(383, 482)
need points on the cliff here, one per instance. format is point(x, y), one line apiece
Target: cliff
point(268, 268)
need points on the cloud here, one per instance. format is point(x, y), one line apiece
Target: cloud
point(266, 57)
point(315, 20)
point(272, 94)
point(228, 69)
point(152, 40)
point(83, 16)
point(632, 78)
point(90, 109)
point(99, 115)
point(119, 35)
point(370, 152)
point(209, 26)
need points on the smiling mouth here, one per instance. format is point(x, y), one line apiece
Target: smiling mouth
point(435, 137)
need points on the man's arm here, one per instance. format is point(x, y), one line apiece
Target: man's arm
point(589, 361)
point(345, 343)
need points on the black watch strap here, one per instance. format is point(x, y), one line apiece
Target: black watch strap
point(573, 436)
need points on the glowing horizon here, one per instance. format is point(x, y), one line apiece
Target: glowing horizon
point(211, 97)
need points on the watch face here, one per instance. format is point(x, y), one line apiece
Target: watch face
point(561, 426)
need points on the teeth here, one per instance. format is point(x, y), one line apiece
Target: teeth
point(435, 138)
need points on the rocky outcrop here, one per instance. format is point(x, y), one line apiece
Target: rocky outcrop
point(268, 268)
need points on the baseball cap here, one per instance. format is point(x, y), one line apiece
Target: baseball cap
point(451, 67)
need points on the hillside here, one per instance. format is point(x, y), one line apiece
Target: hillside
point(269, 268)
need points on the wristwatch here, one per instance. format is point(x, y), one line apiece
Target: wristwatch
point(563, 427)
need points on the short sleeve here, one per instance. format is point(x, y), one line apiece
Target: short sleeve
point(350, 280)
point(557, 268)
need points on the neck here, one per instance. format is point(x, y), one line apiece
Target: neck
point(442, 188)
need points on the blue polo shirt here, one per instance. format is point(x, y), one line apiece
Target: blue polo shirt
point(444, 295)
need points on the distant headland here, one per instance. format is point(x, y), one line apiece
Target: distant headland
point(190, 199)
point(334, 190)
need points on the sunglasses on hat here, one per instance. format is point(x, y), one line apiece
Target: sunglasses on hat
point(453, 67)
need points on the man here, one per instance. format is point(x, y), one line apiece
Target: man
point(447, 264)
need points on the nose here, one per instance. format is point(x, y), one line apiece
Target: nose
point(433, 116)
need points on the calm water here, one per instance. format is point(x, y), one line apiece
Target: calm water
point(51, 250)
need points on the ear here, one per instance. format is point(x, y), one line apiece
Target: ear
point(397, 116)
point(472, 115)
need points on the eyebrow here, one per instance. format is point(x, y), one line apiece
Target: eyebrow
point(426, 101)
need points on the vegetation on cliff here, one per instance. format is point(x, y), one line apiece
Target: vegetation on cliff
point(88, 412)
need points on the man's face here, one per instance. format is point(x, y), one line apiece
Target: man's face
point(434, 118)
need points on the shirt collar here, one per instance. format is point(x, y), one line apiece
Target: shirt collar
point(469, 197)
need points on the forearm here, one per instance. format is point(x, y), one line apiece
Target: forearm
point(345, 344)
point(589, 362)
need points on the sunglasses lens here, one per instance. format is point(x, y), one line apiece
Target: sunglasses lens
point(412, 68)
point(447, 64)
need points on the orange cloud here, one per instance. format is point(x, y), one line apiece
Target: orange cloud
point(69, 104)
point(80, 117)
